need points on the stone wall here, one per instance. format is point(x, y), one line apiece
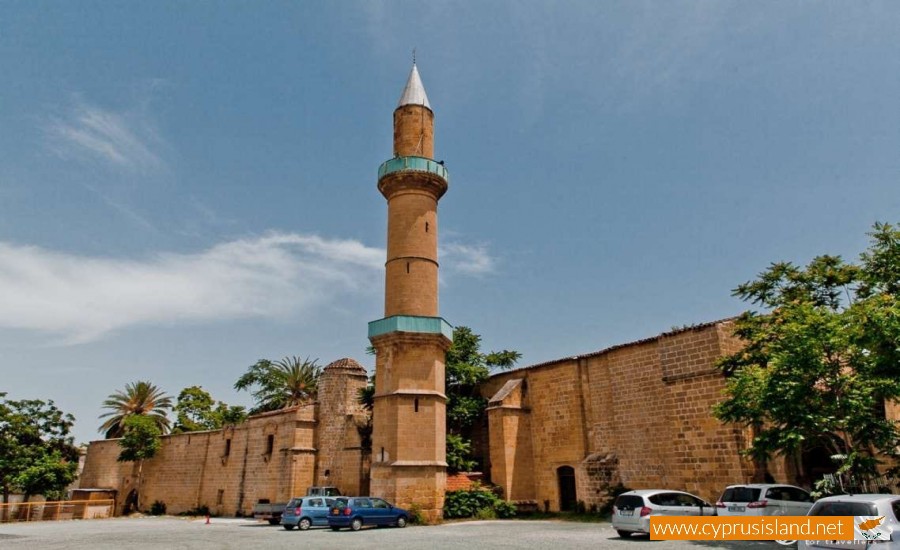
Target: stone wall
point(272, 456)
point(637, 413)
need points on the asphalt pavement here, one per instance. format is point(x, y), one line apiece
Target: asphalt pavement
point(226, 533)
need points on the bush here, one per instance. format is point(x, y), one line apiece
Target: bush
point(415, 514)
point(476, 502)
point(202, 510)
point(486, 513)
point(459, 451)
point(158, 508)
point(613, 492)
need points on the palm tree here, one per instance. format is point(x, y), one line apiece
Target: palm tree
point(285, 383)
point(139, 398)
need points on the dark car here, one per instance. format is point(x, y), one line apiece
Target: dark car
point(354, 512)
point(306, 512)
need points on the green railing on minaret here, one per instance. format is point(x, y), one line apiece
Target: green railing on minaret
point(413, 164)
point(411, 323)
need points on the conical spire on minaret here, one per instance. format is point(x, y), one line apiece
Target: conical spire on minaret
point(414, 91)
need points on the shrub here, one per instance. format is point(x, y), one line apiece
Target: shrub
point(476, 502)
point(158, 508)
point(202, 510)
point(613, 492)
point(459, 451)
point(415, 514)
point(486, 513)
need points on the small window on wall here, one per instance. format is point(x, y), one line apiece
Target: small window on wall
point(227, 447)
point(220, 497)
point(426, 227)
point(416, 405)
point(270, 444)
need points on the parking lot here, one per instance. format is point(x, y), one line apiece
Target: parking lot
point(166, 532)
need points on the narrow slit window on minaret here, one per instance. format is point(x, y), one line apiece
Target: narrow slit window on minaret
point(426, 227)
point(407, 267)
point(416, 405)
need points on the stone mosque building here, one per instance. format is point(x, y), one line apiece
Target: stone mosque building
point(555, 433)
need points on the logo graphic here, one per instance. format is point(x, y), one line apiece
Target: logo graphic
point(870, 524)
point(870, 528)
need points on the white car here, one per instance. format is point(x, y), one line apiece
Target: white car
point(884, 507)
point(632, 510)
point(764, 499)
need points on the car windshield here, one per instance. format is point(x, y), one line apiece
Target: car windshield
point(740, 494)
point(834, 508)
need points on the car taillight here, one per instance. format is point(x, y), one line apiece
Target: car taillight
point(720, 504)
point(645, 511)
point(758, 504)
point(347, 511)
point(297, 511)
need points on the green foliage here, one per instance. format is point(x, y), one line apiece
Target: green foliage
point(415, 514)
point(485, 513)
point(196, 411)
point(822, 358)
point(612, 493)
point(141, 439)
point(36, 451)
point(202, 510)
point(48, 475)
point(139, 399)
point(285, 383)
point(158, 508)
point(459, 452)
point(476, 501)
point(466, 368)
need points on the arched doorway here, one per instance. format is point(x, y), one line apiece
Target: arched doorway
point(568, 498)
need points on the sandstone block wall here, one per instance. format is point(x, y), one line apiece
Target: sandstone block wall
point(272, 456)
point(639, 414)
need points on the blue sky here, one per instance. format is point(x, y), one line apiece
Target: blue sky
point(187, 187)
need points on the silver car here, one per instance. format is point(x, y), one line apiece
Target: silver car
point(884, 507)
point(632, 510)
point(764, 499)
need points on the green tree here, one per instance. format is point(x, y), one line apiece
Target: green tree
point(36, 451)
point(138, 399)
point(141, 440)
point(48, 475)
point(822, 358)
point(466, 368)
point(285, 383)
point(196, 410)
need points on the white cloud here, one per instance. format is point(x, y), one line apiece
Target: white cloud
point(467, 259)
point(125, 140)
point(83, 298)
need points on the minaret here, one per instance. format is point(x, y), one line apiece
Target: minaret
point(409, 419)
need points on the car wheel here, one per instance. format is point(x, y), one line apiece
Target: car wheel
point(304, 524)
point(623, 534)
point(401, 522)
point(288, 527)
point(356, 524)
point(335, 528)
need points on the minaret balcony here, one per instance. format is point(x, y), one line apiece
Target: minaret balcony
point(411, 323)
point(413, 164)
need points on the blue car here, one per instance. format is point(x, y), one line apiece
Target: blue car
point(354, 512)
point(306, 512)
